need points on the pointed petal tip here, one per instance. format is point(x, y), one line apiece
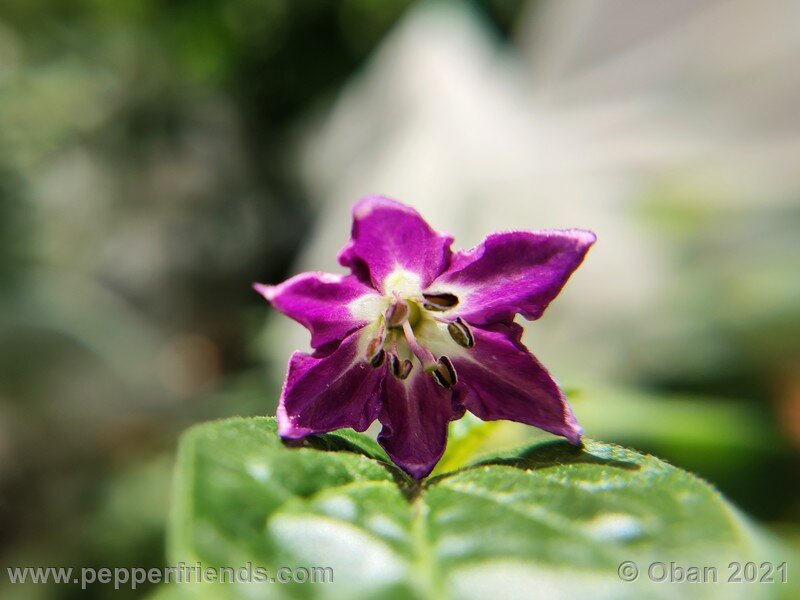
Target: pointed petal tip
point(268, 291)
point(365, 205)
point(575, 436)
point(587, 237)
point(288, 430)
point(418, 472)
point(573, 430)
point(583, 238)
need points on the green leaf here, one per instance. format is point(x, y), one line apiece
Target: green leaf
point(547, 519)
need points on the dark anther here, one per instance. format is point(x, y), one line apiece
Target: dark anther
point(377, 360)
point(405, 370)
point(461, 333)
point(400, 368)
point(440, 301)
point(397, 313)
point(374, 348)
point(445, 373)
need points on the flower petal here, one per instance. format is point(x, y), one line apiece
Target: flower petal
point(500, 379)
point(337, 390)
point(388, 236)
point(415, 415)
point(325, 304)
point(514, 272)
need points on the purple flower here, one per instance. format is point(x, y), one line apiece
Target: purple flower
point(417, 334)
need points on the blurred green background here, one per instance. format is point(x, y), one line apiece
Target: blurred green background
point(153, 164)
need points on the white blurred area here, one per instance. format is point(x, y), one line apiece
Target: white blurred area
point(671, 129)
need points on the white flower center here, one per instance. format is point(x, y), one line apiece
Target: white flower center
point(409, 331)
point(402, 282)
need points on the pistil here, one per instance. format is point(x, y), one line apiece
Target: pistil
point(424, 355)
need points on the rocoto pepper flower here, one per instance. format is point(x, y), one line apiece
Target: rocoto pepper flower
point(417, 333)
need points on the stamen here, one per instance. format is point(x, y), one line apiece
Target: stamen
point(374, 347)
point(397, 313)
point(400, 368)
point(377, 360)
point(461, 333)
point(440, 301)
point(405, 371)
point(445, 373)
